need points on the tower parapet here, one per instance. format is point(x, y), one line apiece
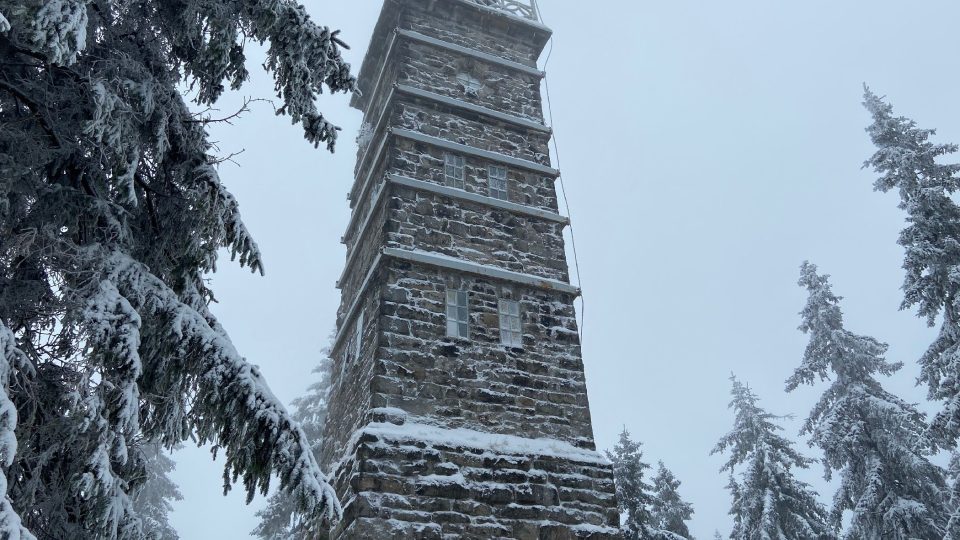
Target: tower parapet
point(522, 8)
point(459, 406)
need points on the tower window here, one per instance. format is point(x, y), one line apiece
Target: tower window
point(458, 315)
point(358, 336)
point(453, 171)
point(510, 331)
point(497, 182)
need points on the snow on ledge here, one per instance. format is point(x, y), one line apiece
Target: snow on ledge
point(478, 440)
point(389, 411)
point(595, 529)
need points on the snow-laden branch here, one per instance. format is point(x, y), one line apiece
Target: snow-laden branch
point(11, 358)
point(233, 408)
point(116, 214)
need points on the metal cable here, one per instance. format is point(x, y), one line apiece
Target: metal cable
point(563, 189)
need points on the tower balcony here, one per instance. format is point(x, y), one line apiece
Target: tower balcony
point(526, 9)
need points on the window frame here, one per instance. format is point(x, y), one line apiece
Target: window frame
point(499, 176)
point(510, 320)
point(457, 312)
point(453, 163)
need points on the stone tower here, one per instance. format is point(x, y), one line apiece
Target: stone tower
point(458, 407)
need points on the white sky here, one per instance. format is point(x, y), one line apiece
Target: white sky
point(707, 149)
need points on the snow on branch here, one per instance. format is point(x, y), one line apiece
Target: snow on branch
point(303, 57)
point(233, 408)
point(236, 237)
point(11, 358)
point(122, 212)
point(59, 30)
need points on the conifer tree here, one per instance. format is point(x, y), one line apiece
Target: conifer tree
point(634, 494)
point(953, 524)
point(768, 501)
point(278, 520)
point(908, 162)
point(112, 213)
point(669, 512)
point(873, 438)
point(152, 501)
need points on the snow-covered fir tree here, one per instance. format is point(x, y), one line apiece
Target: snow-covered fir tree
point(278, 520)
point(909, 162)
point(768, 502)
point(634, 494)
point(668, 511)
point(873, 438)
point(111, 214)
point(152, 501)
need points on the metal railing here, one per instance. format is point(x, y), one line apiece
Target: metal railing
point(526, 9)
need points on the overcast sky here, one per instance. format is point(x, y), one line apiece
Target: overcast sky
point(707, 149)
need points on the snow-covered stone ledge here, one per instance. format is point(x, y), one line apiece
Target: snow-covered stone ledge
point(400, 428)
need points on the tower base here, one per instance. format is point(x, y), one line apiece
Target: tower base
point(406, 480)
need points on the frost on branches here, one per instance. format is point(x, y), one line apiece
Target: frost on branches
point(153, 500)
point(14, 364)
point(278, 521)
point(668, 510)
point(768, 501)
point(873, 438)
point(953, 524)
point(635, 496)
point(111, 213)
point(908, 162)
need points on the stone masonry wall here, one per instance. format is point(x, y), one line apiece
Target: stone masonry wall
point(504, 89)
point(524, 188)
point(371, 116)
point(425, 162)
point(349, 401)
point(361, 205)
point(402, 489)
point(367, 249)
point(458, 24)
point(484, 133)
point(366, 241)
point(419, 65)
point(475, 232)
point(537, 391)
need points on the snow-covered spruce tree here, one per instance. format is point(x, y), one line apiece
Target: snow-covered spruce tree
point(634, 494)
point(668, 511)
point(152, 501)
point(111, 213)
point(908, 162)
point(278, 520)
point(953, 524)
point(768, 501)
point(873, 438)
